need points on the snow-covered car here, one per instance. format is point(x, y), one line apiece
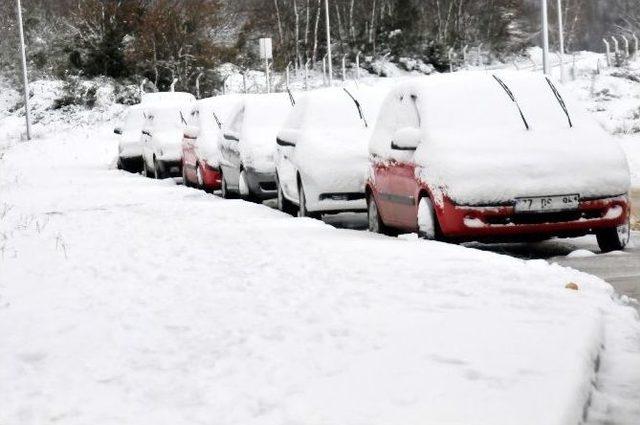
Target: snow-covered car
point(130, 142)
point(482, 157)
point(200, 154)
point(247, 145)
point(167, 98)
point(162, 140)
point(323, 154)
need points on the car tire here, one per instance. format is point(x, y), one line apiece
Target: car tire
point(427, 220)
point(157, 173)
point(199, 177)
point(185, 180)
point(226, 193)
point(284, 204)
point(243, 185)
point(614, 239)
point(373, 216)
point(302, 209)
point(145, 169)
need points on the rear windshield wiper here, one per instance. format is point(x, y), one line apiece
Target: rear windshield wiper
point(362, 117)
point(182, 118)
point(215, 117)
point(513, 99)
point(291, 98)
point(560, 101)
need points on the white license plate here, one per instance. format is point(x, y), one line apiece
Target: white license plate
point(548, 203)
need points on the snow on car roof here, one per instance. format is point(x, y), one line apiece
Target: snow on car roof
point(220, 105)
point(167, 97)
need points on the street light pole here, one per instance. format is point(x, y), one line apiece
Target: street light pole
point(545, 37)
point(24, 72)
point(329, 59)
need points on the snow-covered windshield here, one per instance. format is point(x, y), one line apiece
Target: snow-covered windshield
point(134, 119)
point(165, 119)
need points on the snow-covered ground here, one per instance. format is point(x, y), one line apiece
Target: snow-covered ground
point(131, 301)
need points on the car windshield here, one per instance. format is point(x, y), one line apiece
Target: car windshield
point(164, 119)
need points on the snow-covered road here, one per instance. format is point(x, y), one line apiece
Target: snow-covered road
point(131, 301)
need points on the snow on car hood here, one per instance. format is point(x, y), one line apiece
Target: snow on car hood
point(495, 170)
point(258, 148)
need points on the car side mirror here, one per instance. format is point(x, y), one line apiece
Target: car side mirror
point(232, 136)
point(191, 132)
point(406, 139)
point(117, 130)
point(287, 137)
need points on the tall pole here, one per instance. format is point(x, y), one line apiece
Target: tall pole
point(561, 39)
point(329, 59)
point(25, 78)
point(545, 37)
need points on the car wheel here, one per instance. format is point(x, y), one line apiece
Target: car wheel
point(614, 239)
point(199, 177)
point(376, 225)
point(243, 185)
point(145, 169)
point(185, 180)
point(284, 204)
point(226, 193)
point(157, 173)
point(302, 210)
point(427, 220)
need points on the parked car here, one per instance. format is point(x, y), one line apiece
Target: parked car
point(323, 153)
point(162, 140)
point(247, 145)
point(130, 142)
point(200, 154)
point(167, 98)
point(480, 157)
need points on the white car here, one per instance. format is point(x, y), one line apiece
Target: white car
point(162, 140)
point(247, 145)
point(130, 143)
point(323, 152)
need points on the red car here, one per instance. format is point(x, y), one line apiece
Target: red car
point(200, 154)
point(481, 157)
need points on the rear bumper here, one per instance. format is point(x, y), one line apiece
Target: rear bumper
point(502, 222)
point(212, 177)
point(262, 185)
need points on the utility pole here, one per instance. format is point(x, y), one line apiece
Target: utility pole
point(545, 37)
point(561, 39)
point(330, 61)
point(25, 78)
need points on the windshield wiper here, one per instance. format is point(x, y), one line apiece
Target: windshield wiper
point(291, 98)
point(513, 98)
point(182, 118)
point(215, 117)
point(362, 117)
point(560, 101)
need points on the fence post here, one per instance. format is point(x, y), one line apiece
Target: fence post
point(626, 46)
point(465, 56)
point(358, 66)
point(608, 52)
point(574, 73)
point(287, 74)
point(635, 52)
point(450, 55)
point(616, 44)
point(479, 54)
point(173, 85)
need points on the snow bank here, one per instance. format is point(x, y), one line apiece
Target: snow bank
point(106, 319)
